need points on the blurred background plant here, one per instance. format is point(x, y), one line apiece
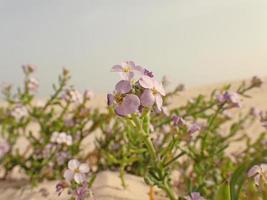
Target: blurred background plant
point(53, 128)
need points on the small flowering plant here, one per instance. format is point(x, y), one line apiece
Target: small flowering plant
point(148, 140)
point(77, 181)
point(53, 128)
point(186, 150)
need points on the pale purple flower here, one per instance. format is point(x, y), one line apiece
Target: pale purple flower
point(130, 104)
point(33, 84)
point(194, 196)
point(230, 98)
point(60, 187)
point(125, 104)
point(192, 128)
point(264, 124)
point(148, 73)
point(110, 99)
point(61, 138)
point(62, 157)
point(76, 171)
point(19, 112)
point(72, 95)
point(47, 150)
point(127, 70)
point(29, 68)
point(259, 172)
point(4, 148)
point(178, 121)
point(64, 138)
point(153, 92)
point(82, 192)
point(123, 87)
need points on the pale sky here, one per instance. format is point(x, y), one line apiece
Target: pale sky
point(192, 41)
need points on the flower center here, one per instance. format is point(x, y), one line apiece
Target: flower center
point(77, 171)
point(127, 69)
point(118, 98)
point(154, 91)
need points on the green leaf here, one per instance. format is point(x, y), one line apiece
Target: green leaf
point(223, 192)
point(237, 181)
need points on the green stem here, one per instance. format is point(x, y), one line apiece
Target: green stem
point(149, 145)
point(175, 158)
point(169, 192)
point(122, 177)
point(145, 134)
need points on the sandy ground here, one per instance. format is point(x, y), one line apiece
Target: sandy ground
point(108, 185)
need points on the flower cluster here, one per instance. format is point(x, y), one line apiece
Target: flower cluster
point(231, 99)
point(76, 171)
point(61, 138)
point(18, 112)
point(73, 96)
point(191, 128)
point(259, 172)
point(132, 95)
point(77, 179)
point(31, 83)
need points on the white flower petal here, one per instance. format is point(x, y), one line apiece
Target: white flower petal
point(159, 102)
point(79, 178)
point(73, 164)
point(146, 82)
point(257, 179)
point(69, 140)
point(254, 170)
point(68, 175)
point(263, 167)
